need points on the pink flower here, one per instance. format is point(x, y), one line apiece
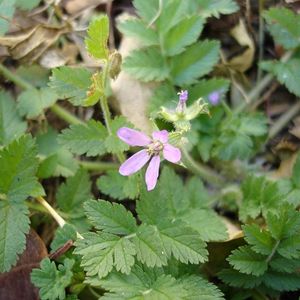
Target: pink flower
point(153, 147)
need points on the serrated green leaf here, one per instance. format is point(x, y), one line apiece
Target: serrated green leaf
point(63, 235)
point(113, 143)
point(285, 72)
point(149, 248)
point(52, 281)
point(110, 217)
point(237, 279)
point(282, 281)
point(27, 4)
point(260, 196)
point(56, 160)
point(34, 74)
point(147, 10)
point(85, 138)
point(7, 8)
point(259, 239)
point(71, 83)
point(96, 42)
point(74, 192)
point(31, 103)
point(118, 186)
point(146, 65)
point(196, 61)
point(18, 167)
point(11, 124)
point(14, 225)
point(182, 35)
point(207, 223)
point(284, 26)
point(183, 243)
point(216, 7)
point(247, 261)
point(281, 264)
point(290, 247)
point(101, 252)
point(138, 29)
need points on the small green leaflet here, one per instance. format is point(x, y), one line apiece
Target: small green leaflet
point(146, 65)
point(11, 124)
point(71, 83)
point(214, 8)
point(52, 281)
point(85, 138)
point(182, 35)
point(96, 42)
point(196, 61)
point(286, 73)
point(7, 8)
point(284, 26)
point(63, 235)
point(138, 29)
point(31, 103)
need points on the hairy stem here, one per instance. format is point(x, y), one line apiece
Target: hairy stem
point(204, 172)
point(58, 110)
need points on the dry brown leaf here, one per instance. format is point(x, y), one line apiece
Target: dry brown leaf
point(29, 45)
point(243, 61)
point(286, 167)
point(234, 232)
point(132, 95)
point(75, 6)
point(295, 131)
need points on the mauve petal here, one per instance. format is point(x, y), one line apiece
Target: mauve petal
point(161, 136)
point(134, 163)
point(133, 137)
point(171, 153)
point(152, 172)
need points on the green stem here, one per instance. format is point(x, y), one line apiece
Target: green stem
point(98, 166)
point(253, 96)
point(273, 251)
point(204, 172)
point(284, 119)
point(58, 110)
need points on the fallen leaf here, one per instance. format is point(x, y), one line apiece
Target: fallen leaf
point(243, 61)
point(76, 6)
point(16, 283)
point(30, 44)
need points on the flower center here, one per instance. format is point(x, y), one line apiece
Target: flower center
point(155, 148)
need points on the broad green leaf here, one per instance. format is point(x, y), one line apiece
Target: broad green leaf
point(101, 252)
point(111, 218)
point(31, 103)
point(259, 239)
point(237, 279)
point(74, 192)
point(52, 281)
point(34, 74)
point(71, 83)
point(56, 159)
point(182, 35)
point(196, 61)
point(14, 225)
point(7, 9)
point(284, 26)
point(27, 4)
point(149, 247)
point(138, 29)
point(183, 243)
point(11, 124)
point(287, 73)
point(146, 65)
point(214, 8)
point(17, 173)
point(96, 42)
point(147, 10)
point(118, 186)
point(247, 261)
point(86, 138)
point(112, 142)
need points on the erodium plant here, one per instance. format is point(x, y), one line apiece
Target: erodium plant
point(165, 240)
